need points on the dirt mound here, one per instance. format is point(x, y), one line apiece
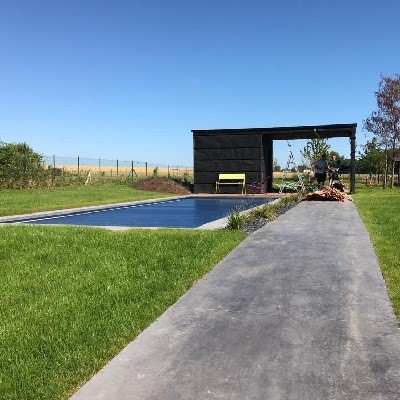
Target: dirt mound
point(161, 185)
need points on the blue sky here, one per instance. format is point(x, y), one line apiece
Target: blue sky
point(131, 79)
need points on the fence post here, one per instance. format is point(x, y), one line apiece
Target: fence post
point(146, 169)
point(79, 174)
point(168, 171)
point(99, 168)
point(132, 171)
point(54, 168)
point(117, 168)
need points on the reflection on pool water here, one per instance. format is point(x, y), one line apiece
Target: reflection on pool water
point(174, 213)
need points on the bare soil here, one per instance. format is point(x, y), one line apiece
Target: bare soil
point(161, 185)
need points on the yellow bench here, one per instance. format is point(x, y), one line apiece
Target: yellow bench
point(231, 179)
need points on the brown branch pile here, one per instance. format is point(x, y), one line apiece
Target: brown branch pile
point(328, 194)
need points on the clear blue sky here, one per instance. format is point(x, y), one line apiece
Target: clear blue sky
point(130, 79)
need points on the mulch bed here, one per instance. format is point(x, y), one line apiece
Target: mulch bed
point(258, 223)
point(161, 185)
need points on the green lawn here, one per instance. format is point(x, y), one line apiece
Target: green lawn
point(380, 212)
point(71, 298)
point(13, 202)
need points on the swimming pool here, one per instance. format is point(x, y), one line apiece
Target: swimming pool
point(187, 212)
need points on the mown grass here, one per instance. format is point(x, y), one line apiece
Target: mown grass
point(13, 202)
point(379, 210)
point(72, 298)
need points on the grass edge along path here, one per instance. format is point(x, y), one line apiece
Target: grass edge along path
point(379, 211)
point(72, 298)
point(24, 201)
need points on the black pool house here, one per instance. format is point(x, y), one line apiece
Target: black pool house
point(250, 152)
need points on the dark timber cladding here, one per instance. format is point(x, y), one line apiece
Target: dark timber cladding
point(250, 151)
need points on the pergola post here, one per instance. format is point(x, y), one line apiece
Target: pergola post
point(353, 162)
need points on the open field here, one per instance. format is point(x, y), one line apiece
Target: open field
point(139, 172)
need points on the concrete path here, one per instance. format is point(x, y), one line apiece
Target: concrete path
point(298, 311)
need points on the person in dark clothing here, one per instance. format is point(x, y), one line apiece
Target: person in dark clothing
point(320, 169)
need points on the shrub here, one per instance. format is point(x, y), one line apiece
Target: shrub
point(20, 166)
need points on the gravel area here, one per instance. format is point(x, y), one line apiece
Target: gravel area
point(258, 223)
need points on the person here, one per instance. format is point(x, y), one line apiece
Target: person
point(333, 168)
point(320, 169)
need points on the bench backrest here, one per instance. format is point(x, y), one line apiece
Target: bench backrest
point(241, 177)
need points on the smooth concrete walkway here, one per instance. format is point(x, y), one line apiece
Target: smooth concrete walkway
point(298, 311)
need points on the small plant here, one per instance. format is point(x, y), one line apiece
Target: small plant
point(266, 212)
point(236, 219)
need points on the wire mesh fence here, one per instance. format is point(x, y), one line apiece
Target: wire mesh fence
point(102, 169)
point(361, 179)
point(61, 171)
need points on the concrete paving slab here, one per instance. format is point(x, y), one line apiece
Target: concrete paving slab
point(299, 310)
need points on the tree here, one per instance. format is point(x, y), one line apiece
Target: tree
point(372, 159)
point(314, 150)
point(384, 123)
point(276, 166)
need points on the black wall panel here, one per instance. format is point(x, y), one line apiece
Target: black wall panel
point(267, 164)
point(229, 166)
point(226, 141)
point(236, 153)
point(212, 177)
point(227, 153)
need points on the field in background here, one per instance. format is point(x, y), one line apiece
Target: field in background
point(126, 172)
point(100, 169)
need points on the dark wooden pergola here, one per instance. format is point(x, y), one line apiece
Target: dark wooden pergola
point(250, 151)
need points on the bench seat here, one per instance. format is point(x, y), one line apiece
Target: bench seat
point(231, 179)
